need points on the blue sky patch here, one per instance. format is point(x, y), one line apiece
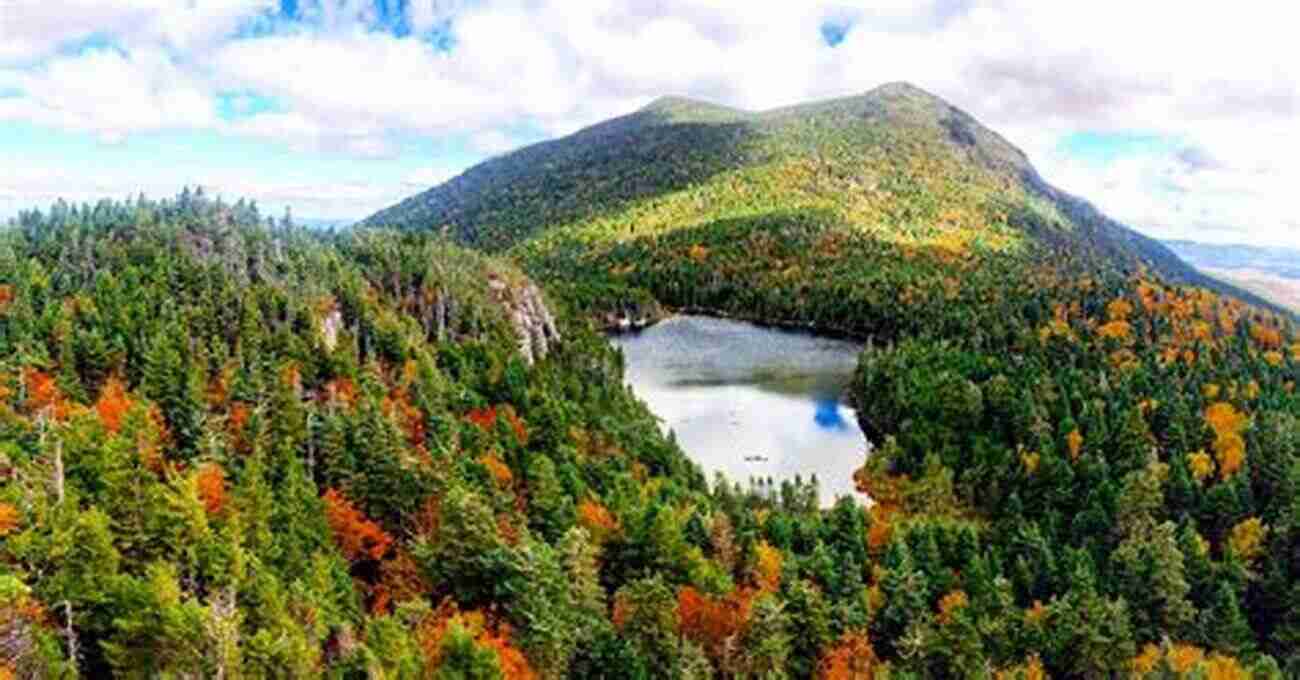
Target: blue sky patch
point(390, 17)
point(1102, 148)
point(236, 105)
point(91, 43)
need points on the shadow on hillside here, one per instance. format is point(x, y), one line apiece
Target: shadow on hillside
point(797, 269)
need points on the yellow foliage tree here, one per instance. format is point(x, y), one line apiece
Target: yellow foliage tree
point(767, 567)
point(1229, 448)
point(1075, 441)
point(1201, 464)
point(1247, 538)
point(950, 604)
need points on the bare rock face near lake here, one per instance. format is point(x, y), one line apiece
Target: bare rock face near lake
point(751, 402)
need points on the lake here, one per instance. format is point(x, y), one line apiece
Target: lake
point(750, 401)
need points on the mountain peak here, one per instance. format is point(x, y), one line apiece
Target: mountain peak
point(678, 109)
point(900, 88)
point(672, 101)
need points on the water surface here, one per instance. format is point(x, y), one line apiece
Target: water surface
point(749, 401)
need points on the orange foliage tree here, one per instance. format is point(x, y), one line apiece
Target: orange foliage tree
point(9, 518)
point(596, 519)
point(212, 488)
point(514, 665)
point(358, 537)
point(43, 394)
point(499, 470)
point(850, 658)
point(712, 621)
point(112, 404)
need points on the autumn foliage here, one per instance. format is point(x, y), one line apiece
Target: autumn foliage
point(596, 519)
point(113, 404)
point(1247, 538)
point(212, 488)
point(1229, 447)
point(1186, 660)
point(485, 417)
point(487, 634)
point(950, 604)
point(767, 567)
point(9, 518)
point(43, 395)
point(358, 537)
point(712, 621)
point(499, 470)
point(851, 658)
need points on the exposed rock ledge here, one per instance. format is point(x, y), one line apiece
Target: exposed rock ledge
point(532, 321)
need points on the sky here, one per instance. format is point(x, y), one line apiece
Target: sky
point(1180, 119)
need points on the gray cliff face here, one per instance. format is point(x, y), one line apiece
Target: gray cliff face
point(521, 302)
point(531, 320)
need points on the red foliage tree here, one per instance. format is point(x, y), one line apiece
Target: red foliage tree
point(483, 417)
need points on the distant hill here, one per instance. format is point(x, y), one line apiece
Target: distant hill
point(1277, 260)
point(615, 209)
point(1271, 272)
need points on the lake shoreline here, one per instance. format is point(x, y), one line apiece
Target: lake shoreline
point(806, 327)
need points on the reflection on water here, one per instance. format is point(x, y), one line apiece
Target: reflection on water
point(751, 402)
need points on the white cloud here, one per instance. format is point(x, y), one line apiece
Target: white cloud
point(108, 93)
point(32, 29)
point(1221, 78)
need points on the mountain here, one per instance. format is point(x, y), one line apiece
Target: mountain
point(613, 213)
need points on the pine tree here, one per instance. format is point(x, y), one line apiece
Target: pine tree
point(1224, 626)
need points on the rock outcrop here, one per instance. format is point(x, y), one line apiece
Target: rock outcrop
point(533, 323)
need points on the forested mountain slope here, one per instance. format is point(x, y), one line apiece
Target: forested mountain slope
point(772, 215)
point(1088, 459)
